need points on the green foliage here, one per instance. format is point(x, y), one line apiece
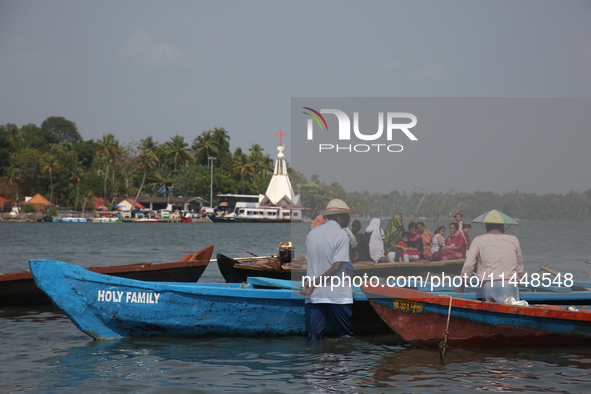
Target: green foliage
point(84, 150)
point(82, 170)
point(29, 208)
point(52, 212)
point(58, 129)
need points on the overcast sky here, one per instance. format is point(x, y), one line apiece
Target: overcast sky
point(161, 68)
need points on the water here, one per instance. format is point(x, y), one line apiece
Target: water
point(42, 351)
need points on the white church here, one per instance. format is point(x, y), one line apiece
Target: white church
point(279, 203)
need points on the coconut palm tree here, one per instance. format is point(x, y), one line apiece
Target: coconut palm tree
point(177, 151)
point(51, 164)
point(163, 178)
point(78, 175)
point(205, 146)
point(243, 166)
point(12, 176)
point(148, 161)
point(107, 149)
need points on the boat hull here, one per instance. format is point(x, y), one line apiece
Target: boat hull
point(19, 289)
point(107, 307)
point(235, 271)
point(421, 319)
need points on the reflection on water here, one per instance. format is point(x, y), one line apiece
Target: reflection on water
point(289, 365)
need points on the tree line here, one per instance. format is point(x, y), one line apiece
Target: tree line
point(56, 162)
point(425, 205)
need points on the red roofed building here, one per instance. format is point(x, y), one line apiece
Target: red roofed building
point(39, 202)
point(129, 204)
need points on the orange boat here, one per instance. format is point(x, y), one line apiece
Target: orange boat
point(18, 288)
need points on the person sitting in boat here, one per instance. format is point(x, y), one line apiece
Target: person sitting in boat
point(358, 250)
point(427, 237)
point(375, 237)
point(407, 252)
point(438, 240)
point(465, 231)
point(499, 265)
point(455, 246)
point(415, 242)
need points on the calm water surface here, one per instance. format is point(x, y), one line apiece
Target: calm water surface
point(42, 351)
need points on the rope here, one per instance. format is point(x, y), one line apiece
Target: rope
point(443, 346)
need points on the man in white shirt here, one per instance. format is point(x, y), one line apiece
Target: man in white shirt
point(327, 252)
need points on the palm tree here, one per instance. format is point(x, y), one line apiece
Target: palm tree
point(106, 149)
point(177, 150)
point(148, 161)
point(243, 166)
point(205, 146)
point(163, 179)
point(12, 176)
point(78, 175)
point(149, 144)
point(50, 164)
point(221, 137)
point(262, 163)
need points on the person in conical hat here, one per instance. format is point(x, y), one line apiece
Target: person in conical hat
point(328, 294)
point(498, 261)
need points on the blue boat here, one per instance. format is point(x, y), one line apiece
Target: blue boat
point(107, 307)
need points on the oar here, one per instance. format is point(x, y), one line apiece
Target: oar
point(246, 258)
point(556, 274)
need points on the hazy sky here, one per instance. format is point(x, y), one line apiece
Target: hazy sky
point(161, 68)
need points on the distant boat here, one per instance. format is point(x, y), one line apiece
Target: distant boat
point(70, 219)
point(422, 318)
point(146, 220)
point(18, 288)
point(106, 220)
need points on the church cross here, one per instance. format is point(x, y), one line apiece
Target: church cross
point(280, 134)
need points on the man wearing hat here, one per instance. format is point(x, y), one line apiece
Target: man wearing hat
point(498, 260)
point(327, 253)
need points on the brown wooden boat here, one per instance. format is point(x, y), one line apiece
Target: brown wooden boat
point(237, 270)
point(18, 288)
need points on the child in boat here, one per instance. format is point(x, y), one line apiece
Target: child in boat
point(438, 239)
point(403, 249)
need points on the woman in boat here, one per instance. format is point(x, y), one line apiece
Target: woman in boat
point(415, 242)
point(375, 238)
point(427, 237)
point(455, 245)
point(360, 250)
point(393, 233)
point(465, 231)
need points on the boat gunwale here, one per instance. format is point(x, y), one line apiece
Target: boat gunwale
point(536, 311)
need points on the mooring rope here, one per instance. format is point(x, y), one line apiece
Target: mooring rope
point(443, 345)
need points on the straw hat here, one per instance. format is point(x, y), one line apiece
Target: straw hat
point(335, 207)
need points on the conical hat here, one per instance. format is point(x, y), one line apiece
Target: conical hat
point(335, 207)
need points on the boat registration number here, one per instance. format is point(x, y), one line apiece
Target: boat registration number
point(408, 306)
